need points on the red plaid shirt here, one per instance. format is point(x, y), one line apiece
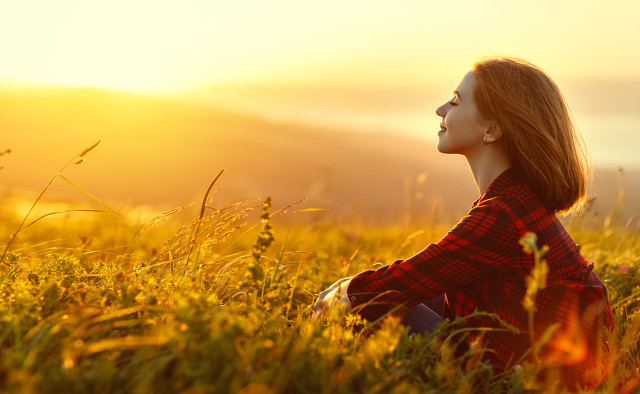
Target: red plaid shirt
point(480, 265)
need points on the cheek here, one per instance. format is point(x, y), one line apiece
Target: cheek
point(467, 122)
point(458, 120)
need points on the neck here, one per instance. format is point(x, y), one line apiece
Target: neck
point(486, 164)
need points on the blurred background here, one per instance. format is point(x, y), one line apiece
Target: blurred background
point(332, 101)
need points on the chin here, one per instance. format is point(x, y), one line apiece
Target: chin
point(442, 148)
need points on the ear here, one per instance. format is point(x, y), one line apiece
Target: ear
point(493, 133)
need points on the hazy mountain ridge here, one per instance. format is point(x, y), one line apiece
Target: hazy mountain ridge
point(158, 151)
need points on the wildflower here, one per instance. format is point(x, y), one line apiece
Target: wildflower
point(265, 238)
point(528, 242)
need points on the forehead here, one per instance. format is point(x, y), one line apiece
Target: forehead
point(466, 85)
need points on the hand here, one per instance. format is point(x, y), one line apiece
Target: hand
point(335, 294)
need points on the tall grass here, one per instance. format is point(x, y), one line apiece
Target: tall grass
point(221, 303)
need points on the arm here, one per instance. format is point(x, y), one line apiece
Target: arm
point(483, 243)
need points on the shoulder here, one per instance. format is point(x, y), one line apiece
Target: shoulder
point(489, 226)
point(511, 189)
point(521, 205)
point(493, 214)
point(518, 194)
point(514, 190)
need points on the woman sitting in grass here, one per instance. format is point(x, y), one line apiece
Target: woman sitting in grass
point(510, 121)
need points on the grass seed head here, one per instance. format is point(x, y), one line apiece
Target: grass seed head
point(89, 149)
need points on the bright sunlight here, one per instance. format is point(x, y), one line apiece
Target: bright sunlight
point(147, 46)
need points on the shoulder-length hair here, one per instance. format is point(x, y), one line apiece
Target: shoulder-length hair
point(538, 134)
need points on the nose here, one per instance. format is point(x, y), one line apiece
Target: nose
point(442, 110)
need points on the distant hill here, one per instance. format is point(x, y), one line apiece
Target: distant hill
point(165, 152)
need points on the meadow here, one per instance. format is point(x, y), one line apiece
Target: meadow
point(216, 297)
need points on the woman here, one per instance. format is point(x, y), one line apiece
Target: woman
point(510, 121)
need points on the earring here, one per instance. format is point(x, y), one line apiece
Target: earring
point(485, 140)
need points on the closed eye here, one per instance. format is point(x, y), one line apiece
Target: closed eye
point(452, 102)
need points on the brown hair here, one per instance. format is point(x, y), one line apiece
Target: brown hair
point(538, 134)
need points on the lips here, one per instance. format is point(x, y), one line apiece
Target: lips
point(443, 129)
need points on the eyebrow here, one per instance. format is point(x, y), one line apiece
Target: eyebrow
point(455, 93)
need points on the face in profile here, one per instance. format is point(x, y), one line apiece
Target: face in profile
point(462, 127)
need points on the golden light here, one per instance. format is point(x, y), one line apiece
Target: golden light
point(568, 345)
point(144, 45)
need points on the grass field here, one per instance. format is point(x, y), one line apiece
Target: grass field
point(217, 298)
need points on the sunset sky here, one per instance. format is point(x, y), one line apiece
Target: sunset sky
point(300, 70)
point(162, 45)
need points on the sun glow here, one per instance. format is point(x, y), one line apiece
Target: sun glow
point(144, 45)
point(124, 45)
point(115, 45)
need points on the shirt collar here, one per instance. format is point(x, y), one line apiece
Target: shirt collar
point(509, 177)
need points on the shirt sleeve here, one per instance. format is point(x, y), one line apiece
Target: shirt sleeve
point(481, 245)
